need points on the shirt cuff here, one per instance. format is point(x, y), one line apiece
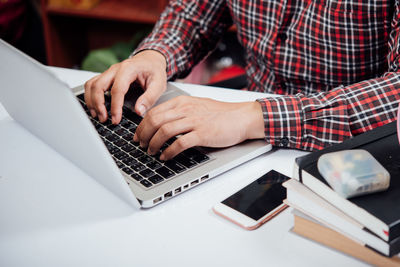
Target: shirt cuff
point(283, 117)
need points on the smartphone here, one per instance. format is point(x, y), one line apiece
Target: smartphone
point(256, 203)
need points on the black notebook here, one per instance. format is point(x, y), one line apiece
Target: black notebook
point(378, 212)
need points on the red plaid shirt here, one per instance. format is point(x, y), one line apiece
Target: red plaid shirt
point(335, 63)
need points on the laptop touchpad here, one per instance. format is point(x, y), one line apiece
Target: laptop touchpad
point(135, 92)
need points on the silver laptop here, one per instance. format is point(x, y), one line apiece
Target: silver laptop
point(46, 107)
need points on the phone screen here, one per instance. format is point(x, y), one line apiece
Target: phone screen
point(260, 197)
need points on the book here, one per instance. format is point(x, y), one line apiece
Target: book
point(303, 199)
point(379, 212)
point(314, 230)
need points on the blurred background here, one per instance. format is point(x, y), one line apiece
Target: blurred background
point(94, 34)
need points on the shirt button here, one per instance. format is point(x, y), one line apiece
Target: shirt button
point(284, 141)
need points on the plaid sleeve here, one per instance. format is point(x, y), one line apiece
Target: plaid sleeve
point(186, 32)
point(318, 120)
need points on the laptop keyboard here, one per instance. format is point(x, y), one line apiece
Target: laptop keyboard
point(133, 160)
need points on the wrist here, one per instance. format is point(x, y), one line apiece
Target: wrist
point(154, 56)
point(255, 122)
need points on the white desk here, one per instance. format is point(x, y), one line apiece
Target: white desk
point(180, 232)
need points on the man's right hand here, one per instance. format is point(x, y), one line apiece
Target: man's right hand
point(148, 68)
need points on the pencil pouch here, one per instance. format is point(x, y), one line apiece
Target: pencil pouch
point(353, 172)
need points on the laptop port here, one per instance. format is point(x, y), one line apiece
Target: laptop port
point(204, 178)
point(168, 195)
point(194, 182)
point(155, 201)
point(186, 186)
point(177, 190)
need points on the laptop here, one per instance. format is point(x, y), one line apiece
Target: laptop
point(50, 110)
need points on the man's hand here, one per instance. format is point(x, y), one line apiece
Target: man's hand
point(201, 122)
point(148, 68)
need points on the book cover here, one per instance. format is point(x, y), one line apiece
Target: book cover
point(313, 230)
point(379, 212)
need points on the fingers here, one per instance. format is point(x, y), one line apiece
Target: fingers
point(165, 121)
point(155, 88)
point(184, 142)
point(87, 95)
point(167, 131)
point(148, 67)
point(94, 92)
point(152, 122)
point(121, 85)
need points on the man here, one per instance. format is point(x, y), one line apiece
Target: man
point(334, 62)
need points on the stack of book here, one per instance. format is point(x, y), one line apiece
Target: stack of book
point(366, 227)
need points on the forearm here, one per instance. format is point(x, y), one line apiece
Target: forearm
point(319, 120)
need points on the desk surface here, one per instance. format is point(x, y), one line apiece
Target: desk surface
point(180, 232)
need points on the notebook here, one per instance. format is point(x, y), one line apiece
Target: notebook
point(46, 107)
point(303, 199)
point(378, 212)
point(323, 234)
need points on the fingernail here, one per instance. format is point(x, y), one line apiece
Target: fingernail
point(93, 113)
point(142, 110)
point(135, 138)
point(162, 157)
point(150, 152)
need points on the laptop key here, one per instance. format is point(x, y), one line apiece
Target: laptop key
point(128, 137)
point(200, 158)
point(133, 116)
point(123, 120)
point(147, 173)
point(101, 130)
point(136, 153)
point(120, 142)
point(112, 137)
point(153, 165)
point(138, 167)
point(130, 126)
point(188, 163)
point(195, 155)
point(107, 122)
point(108, 144)
point(156, 179)
point(129, 161)
point(145, 159)
point(137, 177)
point(144, 149)
point(165, 172)
point(127, 170)
point(127, 148)
point(190, 152)
point(175, 166)
point(114, 150)
point(121, 155)
point(126, 123)
point(119, 164)
point(121, 132)
point(146, 183)
point(114, 127)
